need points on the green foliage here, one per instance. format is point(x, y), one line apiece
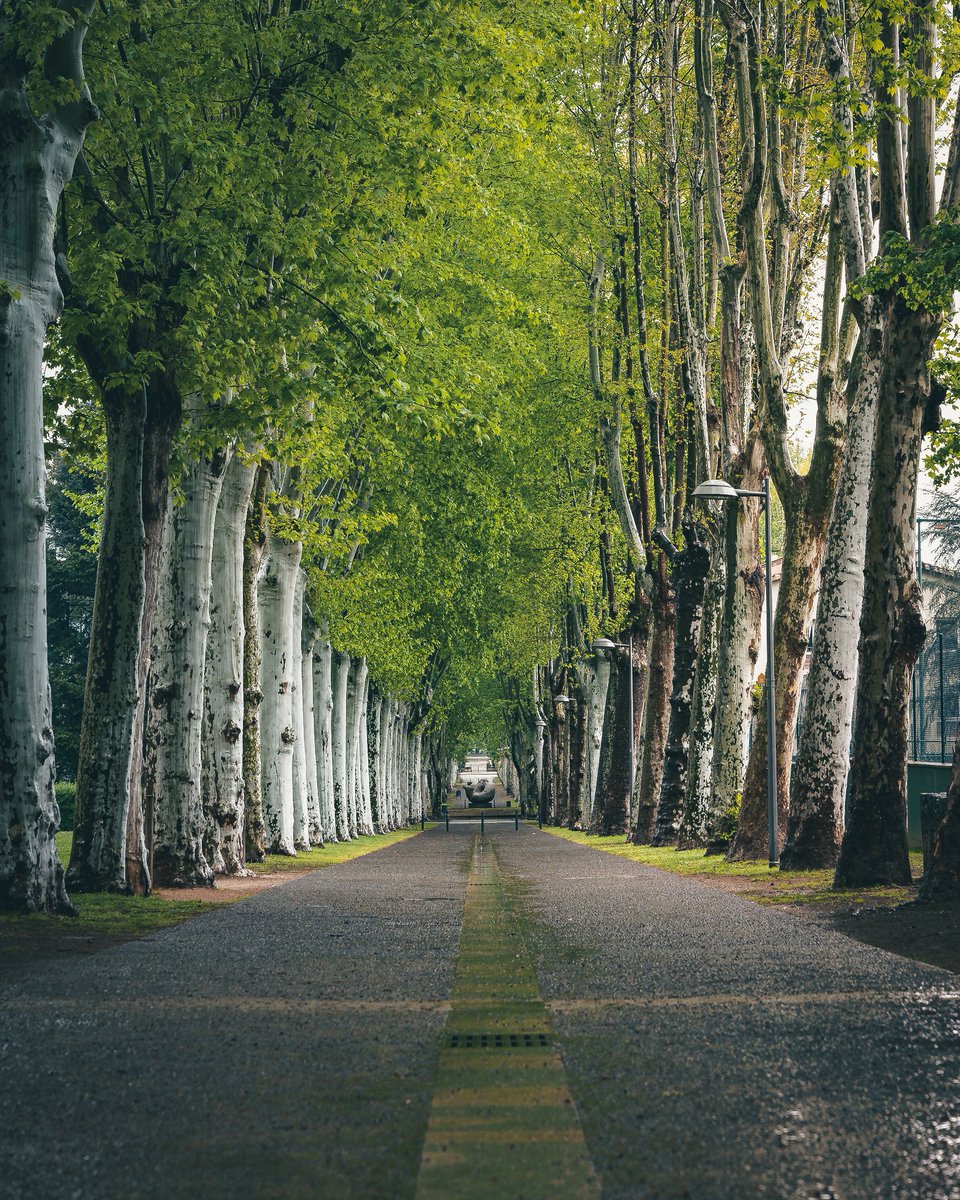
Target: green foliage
point(71, 581)
point(67, 801)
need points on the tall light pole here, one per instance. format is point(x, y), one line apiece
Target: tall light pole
point(561, 702)
point(602, 646)
point(719, 489)
point(541, 727)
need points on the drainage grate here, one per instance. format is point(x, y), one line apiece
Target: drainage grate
point(498, 1041)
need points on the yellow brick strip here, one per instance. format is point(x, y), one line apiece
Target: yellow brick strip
point(502, 1123)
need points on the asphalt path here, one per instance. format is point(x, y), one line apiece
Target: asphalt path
point(288, 1045)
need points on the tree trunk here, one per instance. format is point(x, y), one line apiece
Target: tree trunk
point(323, 728)
point(341, 800)
point(596, 680)
point(254, 545)
point(818, 781)
point(375, 760)
point(361, 787)
point(301, 794)
point(803, 553)
point(690, 572)
point(739, 645)
point(892, 630)
point(697, 804)
point(222, 753)
point(172, 770)
point(37, 157)
point(610, 805)
point(656, 709)
point(277, 594)
point(314, 815)
point(353, 706)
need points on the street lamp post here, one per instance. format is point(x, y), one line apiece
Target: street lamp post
point(719, 489)
point(541, 727)
point(601, 646)
point(561, 702)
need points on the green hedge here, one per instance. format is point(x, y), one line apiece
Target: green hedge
point(67, 799)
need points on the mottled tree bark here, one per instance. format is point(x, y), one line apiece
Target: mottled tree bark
point(254, 544)
point(223, 791)
point(690, 576)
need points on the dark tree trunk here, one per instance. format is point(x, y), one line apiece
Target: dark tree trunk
point(656, 717)
point(110, 848)
point(610, 806)
point(691, 568)
point(576, 716)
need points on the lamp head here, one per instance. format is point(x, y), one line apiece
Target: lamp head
point(561, 699)
point(602, 645)
point(715, 489)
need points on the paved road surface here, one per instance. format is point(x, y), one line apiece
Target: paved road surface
point(290, 1045)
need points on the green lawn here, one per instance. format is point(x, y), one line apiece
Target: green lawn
point(780, 887)
point(332, 853)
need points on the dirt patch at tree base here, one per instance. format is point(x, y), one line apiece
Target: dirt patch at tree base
point(29, 942)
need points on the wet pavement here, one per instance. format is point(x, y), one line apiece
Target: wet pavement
point(292, 1044)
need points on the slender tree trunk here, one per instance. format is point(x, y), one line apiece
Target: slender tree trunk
point(375, 760)
point(314, 815)
point(353, 705)
point(223, 791)
point(739, 647)
point(277, 593)
point(690, 572)
point(656, 709)
point(361, 779)
point(697, 804)
point(341, 800)
point(172, 770)
point(254, 545)
point(112, 692)
point(594, 681)
point(323, 727)
point(301, 794)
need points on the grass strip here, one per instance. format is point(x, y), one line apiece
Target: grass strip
point(760, 882)
point(333, 853)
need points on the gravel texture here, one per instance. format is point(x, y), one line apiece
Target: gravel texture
point(280, 1047)
point(287, 1045)
point(719, 1049)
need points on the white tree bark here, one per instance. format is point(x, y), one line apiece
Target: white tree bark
point(301, 797)
point(37, 157)
point(387, 747)
point(222, 751)
point(323, 727)
point(594, 680)
point(356, 683)
point(341, 770)
point(364, 809)
point(277, 590)
point(416, 777)
point(739, 647)
point(314, 815)
point(174, 730)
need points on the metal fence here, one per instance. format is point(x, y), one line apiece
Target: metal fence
point(935, 695)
